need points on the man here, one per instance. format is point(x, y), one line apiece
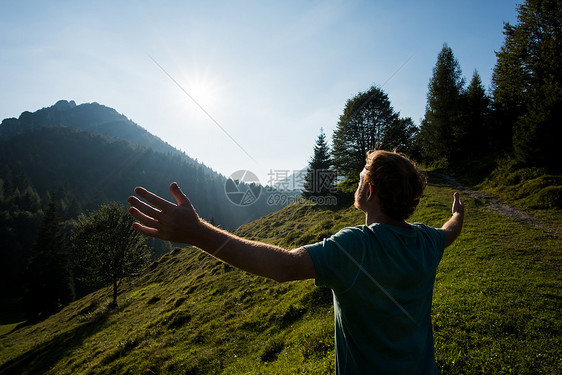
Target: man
point(381, 273)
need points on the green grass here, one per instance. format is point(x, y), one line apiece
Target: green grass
point(497, 305)
point(497, 299)
point(525, 187)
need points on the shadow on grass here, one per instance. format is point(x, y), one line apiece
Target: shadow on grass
point(42, 357)
point(10, 311)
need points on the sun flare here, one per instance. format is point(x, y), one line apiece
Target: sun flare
point(204, 90)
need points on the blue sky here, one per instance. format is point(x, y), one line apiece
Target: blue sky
point(271, 73)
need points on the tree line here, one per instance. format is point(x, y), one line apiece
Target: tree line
point(519, 116)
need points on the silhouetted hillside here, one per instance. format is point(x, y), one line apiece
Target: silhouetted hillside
point(92, 117)
point(88, 155)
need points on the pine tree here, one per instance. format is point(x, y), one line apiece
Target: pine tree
point(320, 180)
point(442, 128)
point(527, 82)
point(476, 119)
point(49, 284)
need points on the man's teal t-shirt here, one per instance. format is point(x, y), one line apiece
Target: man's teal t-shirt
point(382, 279)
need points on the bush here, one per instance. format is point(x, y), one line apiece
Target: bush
point(529, 187)
point(549, 197)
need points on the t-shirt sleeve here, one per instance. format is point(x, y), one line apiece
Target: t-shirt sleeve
point(441, 239)
point(436, 238)
point(337, 259)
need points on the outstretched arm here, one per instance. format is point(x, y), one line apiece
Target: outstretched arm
point(180, 223)
point(453, 226)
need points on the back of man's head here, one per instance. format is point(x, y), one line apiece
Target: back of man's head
point(398, 183)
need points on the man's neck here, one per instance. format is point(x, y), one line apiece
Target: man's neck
point(379, 217)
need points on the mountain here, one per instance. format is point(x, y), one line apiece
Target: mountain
point(496, 306)
point(90, 154)
point(90, 151)
point(92, 117)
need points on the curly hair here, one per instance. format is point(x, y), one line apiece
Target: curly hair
point(397, 181)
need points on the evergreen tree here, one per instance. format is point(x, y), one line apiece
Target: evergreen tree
point(362, 127)
point(49, 283)
point(537, 132)
point(477, 132)
point(442, 128)
point(320, 180)
point(29, 200)
point(107, 248)
point(527, 82)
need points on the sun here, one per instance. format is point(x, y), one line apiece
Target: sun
point(204, 90)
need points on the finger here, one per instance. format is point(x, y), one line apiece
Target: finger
point(143, 219)
point(181, 198)
point(456, 196)
point(144, 208)
point(145, 230)
point(153, 199)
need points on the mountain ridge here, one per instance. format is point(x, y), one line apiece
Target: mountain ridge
point(93, 117)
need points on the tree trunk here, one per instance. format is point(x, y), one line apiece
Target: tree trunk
point(114, 303)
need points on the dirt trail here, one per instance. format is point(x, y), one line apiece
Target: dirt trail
point(499, 207)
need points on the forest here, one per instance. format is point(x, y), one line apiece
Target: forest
point(486, 132)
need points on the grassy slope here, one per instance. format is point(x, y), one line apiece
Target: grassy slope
point(497, 307)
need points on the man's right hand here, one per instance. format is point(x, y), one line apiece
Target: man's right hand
point(165, 220)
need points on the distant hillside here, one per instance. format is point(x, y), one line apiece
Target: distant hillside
point(87, 169)
point(89, 154)
point(496, 307)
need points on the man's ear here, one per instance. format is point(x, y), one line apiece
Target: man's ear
point(372, 192)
